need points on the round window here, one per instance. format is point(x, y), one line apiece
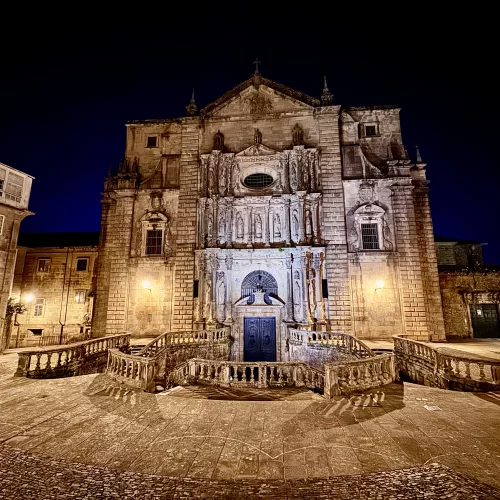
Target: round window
point(258, 180)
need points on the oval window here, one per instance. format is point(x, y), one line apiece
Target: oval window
point(258, 180)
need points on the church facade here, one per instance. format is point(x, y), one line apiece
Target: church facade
point(265, 209)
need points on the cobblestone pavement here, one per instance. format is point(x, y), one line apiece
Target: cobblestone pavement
point(26, 476)
point(207, 441)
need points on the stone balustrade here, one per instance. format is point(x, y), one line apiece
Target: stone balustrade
point(249, 374)
point(445, 368)
point(135, 371)
point(189, 337)
point(359, 375)
point(71, 359)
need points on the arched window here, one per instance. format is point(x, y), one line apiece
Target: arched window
point(259, 281)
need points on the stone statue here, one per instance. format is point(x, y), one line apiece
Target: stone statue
point(239, 226)
point(308, 223)
point(209, 225)
point(297, 300)
point(258, 226)
point(295, 225)
point(221, 296)
point(222, 227)
point(219, 141)
point(208, 298)
point(297, 135)
point(277, 226)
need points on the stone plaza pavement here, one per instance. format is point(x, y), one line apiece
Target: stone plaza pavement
point(90, 434)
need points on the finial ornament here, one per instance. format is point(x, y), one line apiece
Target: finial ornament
point(191, 108)
point(257, 136)
point(327, 96)
point(419, 158)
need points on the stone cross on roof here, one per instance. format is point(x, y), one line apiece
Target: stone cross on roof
point(257, 62)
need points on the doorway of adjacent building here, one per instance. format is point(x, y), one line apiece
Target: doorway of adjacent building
point(259, 339)
point(485, 323)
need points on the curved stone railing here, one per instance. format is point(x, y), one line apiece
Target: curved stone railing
point(359, 375)
point(341, 342)
point(135, 371)
point(249, 374)
point(70, 359)
point(445, 368)
point(189, 337)
point(154, 362)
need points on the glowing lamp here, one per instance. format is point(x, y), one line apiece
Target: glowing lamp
point(379, 284)
point(146, 285)
point(29, 297)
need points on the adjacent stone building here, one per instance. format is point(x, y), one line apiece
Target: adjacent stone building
point(269, 208)
point(470, 290)
point(55, 280)
point(15, 189)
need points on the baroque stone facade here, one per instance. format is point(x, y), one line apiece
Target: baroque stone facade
point(269, 190)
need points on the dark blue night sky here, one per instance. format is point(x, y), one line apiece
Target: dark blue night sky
point(64, 102)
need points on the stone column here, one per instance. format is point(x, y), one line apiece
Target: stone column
point(287, 223)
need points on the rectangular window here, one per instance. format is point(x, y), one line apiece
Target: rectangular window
point(80, 296)
point(370, 130)
point(43, 265)
point(3, 174)
point(154, 239)
point(2, 220)
point(82, 264)
point(369, 234)
point(14, 187)
point(39, 307)
point(152, 141)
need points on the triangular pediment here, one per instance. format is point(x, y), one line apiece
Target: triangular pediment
point(257, 150)
point(259, 96)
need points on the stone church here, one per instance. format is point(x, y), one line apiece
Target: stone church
point(264, 209)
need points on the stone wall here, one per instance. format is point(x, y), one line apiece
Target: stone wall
point(59, 288)
point(460, 288)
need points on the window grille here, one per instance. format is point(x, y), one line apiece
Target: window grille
point(43, 265)
point(369, 234)
point(39, 307)
point(152, 141)
point(259, 280)
point(258, 180)
point(81, 264)
point(154, 240)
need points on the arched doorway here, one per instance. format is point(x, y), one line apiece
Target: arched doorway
point(259, 328)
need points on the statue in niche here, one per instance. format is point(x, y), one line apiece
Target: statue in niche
point(279, 185)
point(308, 223)
point(222, 176)
point(218, 141)
point(208, 298)
point(295, 225)
point(305, 177)
point(209, 225)
point(297, 299)
point(211, 176)
point(297, 135)
point(221, 295)
point(293, 175)
point(222, 226)
point(236, 174)
point(312, 291)
point(277, 226)
point(257, 136)
point(258, 226)
point(296, 275)
point(240, 232)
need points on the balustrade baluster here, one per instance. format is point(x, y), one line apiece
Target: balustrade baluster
point(467, 370)
point(482, 376)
